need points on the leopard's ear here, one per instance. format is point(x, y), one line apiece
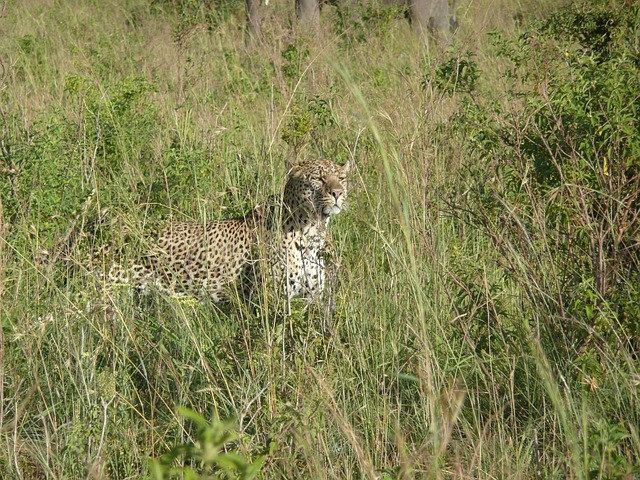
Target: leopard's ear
point(346, 167)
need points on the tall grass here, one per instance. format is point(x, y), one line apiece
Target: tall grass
point(434, 355)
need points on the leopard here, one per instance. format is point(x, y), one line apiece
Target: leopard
point(212, 259)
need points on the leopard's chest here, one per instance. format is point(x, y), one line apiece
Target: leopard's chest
point(305, 267)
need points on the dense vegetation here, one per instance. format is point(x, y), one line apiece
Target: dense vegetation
point(484, 319)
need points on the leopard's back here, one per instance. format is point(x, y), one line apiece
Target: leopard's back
point(196, 258)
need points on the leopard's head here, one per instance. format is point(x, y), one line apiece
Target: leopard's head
point(317, 187)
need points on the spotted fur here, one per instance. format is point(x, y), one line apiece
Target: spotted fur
point(212, 258)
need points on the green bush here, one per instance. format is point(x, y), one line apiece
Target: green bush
point(209, 457)
point(50, 169)
point(560, 187)
point(553, 183)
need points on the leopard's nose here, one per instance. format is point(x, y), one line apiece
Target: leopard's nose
point(336, 194)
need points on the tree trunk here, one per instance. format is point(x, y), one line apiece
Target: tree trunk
point(308, 11)
point(430, 15)
point(253, 17)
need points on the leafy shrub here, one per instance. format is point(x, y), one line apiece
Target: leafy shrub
point(553, 183)
point(118, 119)
point(309, 117)
point(457, 75)
point(209, 457)
point(194, 12)
point(38, 177)
point(296, 58)
point(562, 172)
point(357, 22)
point(49, 170)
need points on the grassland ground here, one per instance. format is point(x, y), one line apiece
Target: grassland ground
point(484, 315)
